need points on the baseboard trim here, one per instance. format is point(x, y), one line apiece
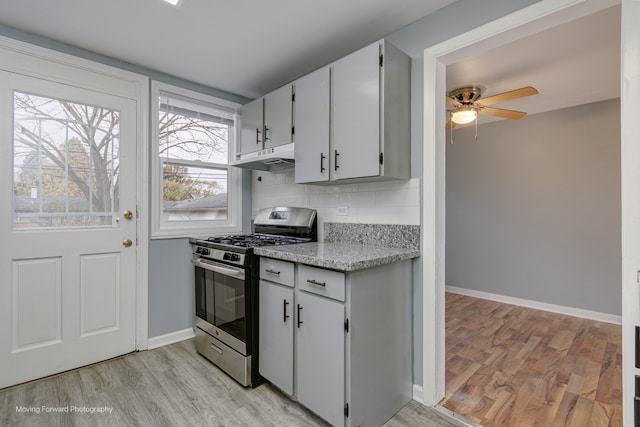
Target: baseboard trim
point(418, 394)
point(170, 338)
point(560, 309)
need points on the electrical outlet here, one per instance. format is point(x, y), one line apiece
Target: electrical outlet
point(342, 210)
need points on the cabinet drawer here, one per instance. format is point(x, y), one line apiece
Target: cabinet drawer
point(276, 271)
point(321, 282)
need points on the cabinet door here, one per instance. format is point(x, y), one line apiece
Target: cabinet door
point(277, 117)
point(276, 335)
point(356, 114)
point(320, 356)
point(251, 138)
point(311, 115)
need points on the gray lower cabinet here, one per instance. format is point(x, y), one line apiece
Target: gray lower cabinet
point(276, 335)
point(343, 347)
point(320, 356)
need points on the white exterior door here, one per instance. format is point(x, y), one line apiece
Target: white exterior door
point(67, 268)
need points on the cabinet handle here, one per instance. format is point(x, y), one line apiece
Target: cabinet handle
point(268, 270)
point(313, 282)
point(284, 314)
point(266, 129)
point(335, 163)
point(299, 321)
point(258, 136)
point(322, 157)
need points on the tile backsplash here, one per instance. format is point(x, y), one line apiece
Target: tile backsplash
point(390, 202)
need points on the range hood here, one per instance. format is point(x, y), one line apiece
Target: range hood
point(269, 159)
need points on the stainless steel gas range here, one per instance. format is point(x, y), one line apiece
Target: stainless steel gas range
point(226, 288)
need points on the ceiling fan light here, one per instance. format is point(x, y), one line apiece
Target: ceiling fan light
point(464, 116)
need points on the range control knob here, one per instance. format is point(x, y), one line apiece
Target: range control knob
point(205, 251)
point(226, 256)
point(235, 257)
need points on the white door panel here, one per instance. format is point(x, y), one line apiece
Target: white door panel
point(100, 282)
point(67, 282)
point(36, 303)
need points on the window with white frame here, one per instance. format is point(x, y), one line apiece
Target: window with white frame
point(195, 191)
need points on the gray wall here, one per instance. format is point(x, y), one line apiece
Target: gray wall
point(533, 208)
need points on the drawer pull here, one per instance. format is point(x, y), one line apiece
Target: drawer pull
point(216, 348)
point(268, 270)
point(313, 282)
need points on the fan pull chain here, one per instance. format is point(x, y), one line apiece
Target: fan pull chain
point(451, 133)
point(476, 138)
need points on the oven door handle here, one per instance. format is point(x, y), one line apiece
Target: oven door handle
point(219, 269)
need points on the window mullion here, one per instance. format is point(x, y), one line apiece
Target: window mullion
point(196, 163)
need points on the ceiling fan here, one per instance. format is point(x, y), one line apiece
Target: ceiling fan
point(467, 104)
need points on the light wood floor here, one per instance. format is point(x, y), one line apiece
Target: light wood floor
point(513, 366)
point(168, 386)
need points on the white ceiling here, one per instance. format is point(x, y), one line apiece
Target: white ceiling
point(572, 64)
point(253, 46)
point(246, 47)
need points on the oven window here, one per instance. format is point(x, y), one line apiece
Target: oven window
point(229, 305)
point(220, 300)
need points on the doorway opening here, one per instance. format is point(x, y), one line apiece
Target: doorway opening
point(466, 156)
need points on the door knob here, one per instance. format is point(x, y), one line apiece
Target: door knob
point(127, 242)
point(127, 214)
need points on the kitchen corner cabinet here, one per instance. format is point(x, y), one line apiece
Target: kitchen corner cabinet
point(338, 342)
point(267, 121)
point(365, 135)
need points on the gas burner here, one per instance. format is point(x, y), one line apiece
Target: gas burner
point(255, 240)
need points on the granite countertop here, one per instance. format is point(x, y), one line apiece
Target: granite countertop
point(338, 256)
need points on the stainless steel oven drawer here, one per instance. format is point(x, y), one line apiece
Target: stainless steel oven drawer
point(223, 356)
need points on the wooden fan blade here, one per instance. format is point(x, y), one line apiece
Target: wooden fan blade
point(499, 112)
point(450, 125)
point(508, 96)
point(451, 101)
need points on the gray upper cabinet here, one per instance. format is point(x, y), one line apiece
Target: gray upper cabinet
point(278, 117)
point(311, 112)
point(356, 112)
point(367, 136)
point(267, 121)
point(252, 127)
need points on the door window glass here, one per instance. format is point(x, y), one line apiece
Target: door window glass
point(65, 163)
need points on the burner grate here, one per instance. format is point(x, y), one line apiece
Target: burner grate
point(255, 240)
